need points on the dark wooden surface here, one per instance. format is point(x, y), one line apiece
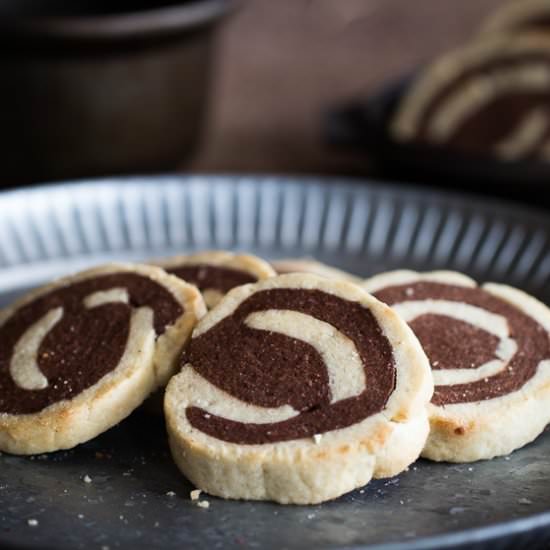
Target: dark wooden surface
point(282, 63)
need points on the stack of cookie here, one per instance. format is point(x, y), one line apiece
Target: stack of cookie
point(490, 97)
point(294, 382)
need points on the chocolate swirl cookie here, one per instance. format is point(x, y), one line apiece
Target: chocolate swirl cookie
point(489, 350)
point(80, 354)
point(215, 273)
point(488, 99)
point(297, 389)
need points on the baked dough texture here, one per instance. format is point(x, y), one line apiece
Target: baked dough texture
point(489, 348)
point(81, 353)
point(298, 389)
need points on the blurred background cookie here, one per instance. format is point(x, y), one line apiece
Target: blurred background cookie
point(472, 115)
point(489, 98)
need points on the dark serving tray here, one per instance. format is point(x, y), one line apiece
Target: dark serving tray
point(363, 126)
point(136, 497)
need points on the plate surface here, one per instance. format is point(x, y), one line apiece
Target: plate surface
point(362, 227)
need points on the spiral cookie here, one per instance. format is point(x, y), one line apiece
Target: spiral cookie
point(78, 355)
point(489, 98)
point(307, 265)
point(297, 389)
point(489, 350)
point(216, 272)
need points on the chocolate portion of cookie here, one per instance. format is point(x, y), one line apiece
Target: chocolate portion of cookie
point(446, 337)
point(459, 346)
point(270, 369)
point(84, 343)
point(212, 277)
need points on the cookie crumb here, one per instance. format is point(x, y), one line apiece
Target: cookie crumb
point(203, 504)
point(87, 479)
point(195, 494)
point(170, 494)
point(317, 438)
point(32, 522)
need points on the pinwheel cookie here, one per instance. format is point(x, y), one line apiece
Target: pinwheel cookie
point(489, 98)
point(297, 389)
point(489, 349)
point(78, 355)
point(217, 272)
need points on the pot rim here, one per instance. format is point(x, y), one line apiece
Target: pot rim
point(117, 26)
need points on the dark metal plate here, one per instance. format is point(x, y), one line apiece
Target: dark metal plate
point(362, 227)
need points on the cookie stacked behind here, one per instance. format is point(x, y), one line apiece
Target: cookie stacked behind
point(216, 272)
point(297, 389)
point(489, 349)
point(489, 98)
point(80, 354)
